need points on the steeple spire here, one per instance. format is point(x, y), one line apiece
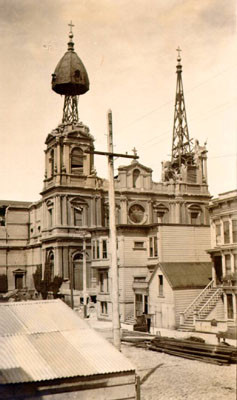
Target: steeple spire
point(181, 145)
point(70, 79)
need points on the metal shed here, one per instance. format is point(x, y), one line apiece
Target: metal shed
point(47, 351)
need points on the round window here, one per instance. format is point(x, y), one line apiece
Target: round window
point(136, 213)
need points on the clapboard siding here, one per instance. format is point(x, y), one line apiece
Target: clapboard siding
point(126, 275)
point(184, 243)
point(132, 256)
point(161, 307)
point(182, 299)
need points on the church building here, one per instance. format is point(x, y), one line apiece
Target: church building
point(160, 225)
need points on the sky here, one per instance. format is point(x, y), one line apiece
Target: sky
point(129, 50)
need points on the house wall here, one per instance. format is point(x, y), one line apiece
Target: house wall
point(184, 243)
point(161, 307)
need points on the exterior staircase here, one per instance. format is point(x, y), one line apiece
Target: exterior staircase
point(200, 308)
point(130, 320)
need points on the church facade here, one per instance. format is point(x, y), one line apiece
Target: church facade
point(68, 228)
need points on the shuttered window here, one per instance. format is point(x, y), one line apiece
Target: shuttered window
point(77, 161)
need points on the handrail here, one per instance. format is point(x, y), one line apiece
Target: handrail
point(216, 294)
point(185, 312)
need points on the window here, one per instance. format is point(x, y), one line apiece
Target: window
point(226, 227)
point(77, 161)
point(78, 272)
point(104, 248)
point(153, 246)
point(234, 230)
point(19, 281)
point(160, 285)
point(97, 249)
point(138, 245)
point(195, 214)
point(78, 217)
point(135, 178)
point(93, 250)
point(2, 215)
point(194, 218)
point(50, 214)
point(218, 234)
point(49, 267)
point(104, 281)
point(104, 307)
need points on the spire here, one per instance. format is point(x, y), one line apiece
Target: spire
point(181, 145)
point(70, 79)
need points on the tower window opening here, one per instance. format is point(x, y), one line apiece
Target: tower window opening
point(77, 161)
point(52, 162)
point(136, 175)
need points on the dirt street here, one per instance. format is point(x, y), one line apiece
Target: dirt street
point(165, 377)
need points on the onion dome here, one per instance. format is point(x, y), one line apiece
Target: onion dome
point(70, 77)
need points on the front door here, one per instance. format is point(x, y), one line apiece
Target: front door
point(139, 305)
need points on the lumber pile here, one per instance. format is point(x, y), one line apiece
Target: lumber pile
point(192, 348)
point(215, 354)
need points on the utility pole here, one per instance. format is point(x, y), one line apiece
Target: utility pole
point(113, 238)
point(84, 277)
point(112, 227)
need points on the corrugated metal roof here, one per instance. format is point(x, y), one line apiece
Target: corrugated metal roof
point(187, 275)
point(42, 340)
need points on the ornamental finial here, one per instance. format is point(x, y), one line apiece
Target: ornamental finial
point(71, 43)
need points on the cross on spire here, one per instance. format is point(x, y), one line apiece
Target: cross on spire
point(179, 55)
point(134, 150)
point(71, 26)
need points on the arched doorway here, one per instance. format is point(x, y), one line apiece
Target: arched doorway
point(78, 271)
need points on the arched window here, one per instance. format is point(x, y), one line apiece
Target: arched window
point(49, 267)
point(78, 271)
point(77, 161)
point(195, 214)
point(135, 178)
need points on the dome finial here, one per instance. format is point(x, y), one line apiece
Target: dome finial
point(71, 43)
point(179, 65)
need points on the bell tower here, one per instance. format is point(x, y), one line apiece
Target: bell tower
point(67, 161)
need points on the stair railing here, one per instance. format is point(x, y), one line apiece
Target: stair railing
point(190, 309)
point(208, 306)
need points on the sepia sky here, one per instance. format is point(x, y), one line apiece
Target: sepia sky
point(129, 50)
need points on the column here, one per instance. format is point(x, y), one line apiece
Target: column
point(58, 261)
point(58, 161)
point(65, 263)
point(124, 211)
point(93, 211)
point(223, 265)
point(232, 265)
point(225, 306)
point(234, 301)
point(98, 210)
point(231, 232)
point(213, 273)
point(58, 210)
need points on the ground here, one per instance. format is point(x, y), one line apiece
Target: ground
point(166, 377)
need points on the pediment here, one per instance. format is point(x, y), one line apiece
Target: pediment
point(135, 165)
